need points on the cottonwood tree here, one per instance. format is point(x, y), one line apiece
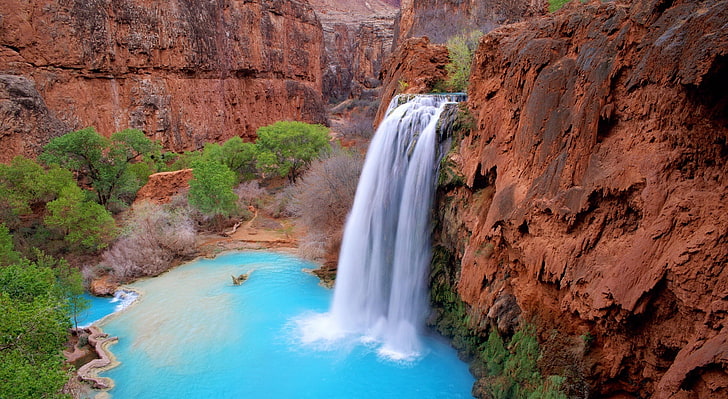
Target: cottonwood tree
point(211, 189)
point(105, 162)
point(287, 148)
point(84, 224)
point(237, 155)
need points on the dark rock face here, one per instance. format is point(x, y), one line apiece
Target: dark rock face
point(439, 20)
point(26, 124)
point(594, 190)
point(357, 37)
point(185, 72)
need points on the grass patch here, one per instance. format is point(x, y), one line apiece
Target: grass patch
point(555, 5)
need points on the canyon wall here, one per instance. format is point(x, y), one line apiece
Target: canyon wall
point(590, 194)
point(184, 72)
point(357, 39)
point(441, 19)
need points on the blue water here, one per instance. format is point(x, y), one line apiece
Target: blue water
point(195, 335)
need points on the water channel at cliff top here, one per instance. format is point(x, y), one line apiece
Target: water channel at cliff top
point(193, 334)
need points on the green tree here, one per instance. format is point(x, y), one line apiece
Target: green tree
point(8, 255)
point(25, 183)
point(236, 154)
point(211, 189)
point(460, 51)
point(84, 223)
point(105, 162)
point(33, 328)
point(70, 282)
point(287, 148)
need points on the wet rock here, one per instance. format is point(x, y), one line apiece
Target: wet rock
point(414, 67)
point(103, 286)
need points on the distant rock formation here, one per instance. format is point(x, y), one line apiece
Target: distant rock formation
point(357, 37)
point(184, 72)
point(441, 19)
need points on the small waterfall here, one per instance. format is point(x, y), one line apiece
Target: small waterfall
point(381, 287)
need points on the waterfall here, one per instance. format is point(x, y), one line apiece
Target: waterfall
point(381, 286)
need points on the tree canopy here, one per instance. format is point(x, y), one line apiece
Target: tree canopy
point(33, 327)
point(211, 188)
point(287, 148)
point(105, 162)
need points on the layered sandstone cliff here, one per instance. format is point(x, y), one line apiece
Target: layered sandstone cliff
point(592, 196)
point(184, 72)
point(441, 19)
point(358, 37)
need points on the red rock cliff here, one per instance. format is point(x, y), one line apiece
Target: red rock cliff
point(185, 72)
point(440, 19)
point(594, 191)
point(358, 37)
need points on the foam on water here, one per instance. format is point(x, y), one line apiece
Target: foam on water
point(101, 307)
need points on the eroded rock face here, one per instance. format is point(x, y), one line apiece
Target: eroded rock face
point(184, 72)
point(162, 186)
point(439, 20)
point(26, 123)
point(594, 190)
point(358, 37)
point(414, 68)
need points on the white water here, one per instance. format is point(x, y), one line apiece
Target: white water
point(381, 288)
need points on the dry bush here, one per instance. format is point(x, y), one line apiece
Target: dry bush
point(282, 204)
point(250, 193)
point(313, 246)
point(324, 197)
point(155, 237)
point(358, 123)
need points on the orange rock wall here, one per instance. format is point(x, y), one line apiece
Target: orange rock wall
point(414, 67)
point(595, 190)
point(185, 72)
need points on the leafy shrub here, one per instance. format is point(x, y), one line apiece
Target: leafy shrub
point(33, 328)
point(555, 5)
point(460, 51)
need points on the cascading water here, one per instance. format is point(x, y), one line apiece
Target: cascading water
point(381, 282)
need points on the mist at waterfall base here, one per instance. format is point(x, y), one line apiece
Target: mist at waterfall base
point(193, 334)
